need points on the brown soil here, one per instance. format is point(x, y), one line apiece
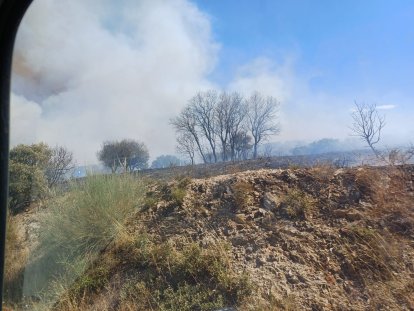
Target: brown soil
point(324, 239)
point(308, 239)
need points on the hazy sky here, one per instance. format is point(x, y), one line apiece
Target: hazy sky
point(89, 71)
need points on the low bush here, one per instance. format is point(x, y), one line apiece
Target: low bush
point(242, 194)
point(79, 225)
point(164, 276)
point(297, 204)
point(179, 190)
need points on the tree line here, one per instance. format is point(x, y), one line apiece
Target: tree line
point(213, 126)
point(223, 126)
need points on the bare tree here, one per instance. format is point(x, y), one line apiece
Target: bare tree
point(222, 120)
point(217, 122)
point(262, 114)
point(242, 146)
point(186, 146)
point(186, 126)
point(203, 106)
point(398, 156)
point(268, 150)
point(236, 123)
point(367, 125)
point(230, 115)
point(59, 165)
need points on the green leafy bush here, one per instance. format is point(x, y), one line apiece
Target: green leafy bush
point(34, 169)
point(27, 181)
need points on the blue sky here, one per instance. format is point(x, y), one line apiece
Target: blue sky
point(352, 46)
point(337, 52)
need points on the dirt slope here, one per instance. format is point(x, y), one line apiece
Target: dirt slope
point(295, 239)
point(319, 239)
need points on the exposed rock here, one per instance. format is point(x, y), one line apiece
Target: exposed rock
point(292, 278)
point(270, 201)
point(260, 261)
point(249, 250)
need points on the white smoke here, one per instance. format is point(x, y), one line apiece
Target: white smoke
point(89, 71)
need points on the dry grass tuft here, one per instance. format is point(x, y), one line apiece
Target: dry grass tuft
point(15, 262)
point(370, 255)
point(296, 204)
point(323, 172)
point(272, 302)
point(162, 276)
point(242, 194)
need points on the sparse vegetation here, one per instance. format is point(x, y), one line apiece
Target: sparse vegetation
point(15, 262)
point(297, 204)
point(242, 193)
point(164, 276)
point(369, 256)
point(121, 242)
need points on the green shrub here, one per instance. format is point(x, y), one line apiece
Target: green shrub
point(33, 170)
point(80, 224)
point(27, 181)
point(178, 194)
point(191, 297)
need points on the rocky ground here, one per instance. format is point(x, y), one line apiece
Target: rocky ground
point(308, 239)
point(315, 239)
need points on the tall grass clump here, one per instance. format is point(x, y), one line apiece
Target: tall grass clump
point(78, 226)
point(91, 213)
point(15, 260)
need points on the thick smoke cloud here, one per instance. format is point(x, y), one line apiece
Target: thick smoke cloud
point(85, 72)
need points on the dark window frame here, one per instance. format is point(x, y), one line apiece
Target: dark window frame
point(11, 13)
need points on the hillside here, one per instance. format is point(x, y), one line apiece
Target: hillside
point(272, 239)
